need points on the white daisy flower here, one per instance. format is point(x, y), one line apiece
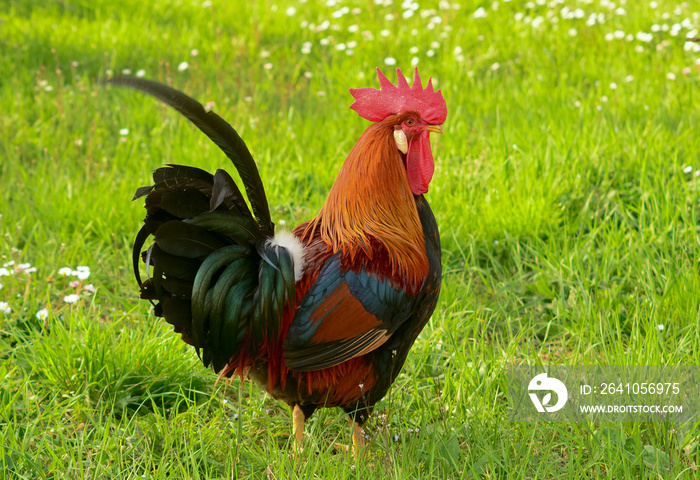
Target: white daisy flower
point(72, 298)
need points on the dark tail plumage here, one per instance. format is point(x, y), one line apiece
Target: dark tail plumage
point(215, 276)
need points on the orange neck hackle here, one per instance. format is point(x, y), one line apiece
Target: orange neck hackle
point(371, 210)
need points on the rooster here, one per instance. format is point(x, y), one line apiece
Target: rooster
point(323, 316)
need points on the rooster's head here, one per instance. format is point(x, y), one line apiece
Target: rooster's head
point(416, 111)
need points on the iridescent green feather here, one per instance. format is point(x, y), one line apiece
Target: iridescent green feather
point(215, 276)
point(200, 288)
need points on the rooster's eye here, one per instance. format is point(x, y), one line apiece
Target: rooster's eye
point(410, 122)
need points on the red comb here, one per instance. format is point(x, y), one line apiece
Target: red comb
point(376, 104)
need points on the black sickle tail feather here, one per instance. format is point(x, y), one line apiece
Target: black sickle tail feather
point(215, 276)
point(220, 132)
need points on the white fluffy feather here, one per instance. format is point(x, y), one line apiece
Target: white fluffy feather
point(294, 247)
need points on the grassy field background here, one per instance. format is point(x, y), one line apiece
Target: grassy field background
point(566, 192)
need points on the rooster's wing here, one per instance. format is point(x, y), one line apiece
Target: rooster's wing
point(345, 314)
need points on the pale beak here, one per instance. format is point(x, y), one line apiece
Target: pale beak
point(433, 129)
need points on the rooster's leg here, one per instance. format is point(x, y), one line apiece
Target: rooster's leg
point(358, 440)
point(298, 418)
point(358, 437)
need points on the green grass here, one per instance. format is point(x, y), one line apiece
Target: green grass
point(569, 227)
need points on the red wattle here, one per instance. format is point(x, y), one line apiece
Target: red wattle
point(419, 163)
